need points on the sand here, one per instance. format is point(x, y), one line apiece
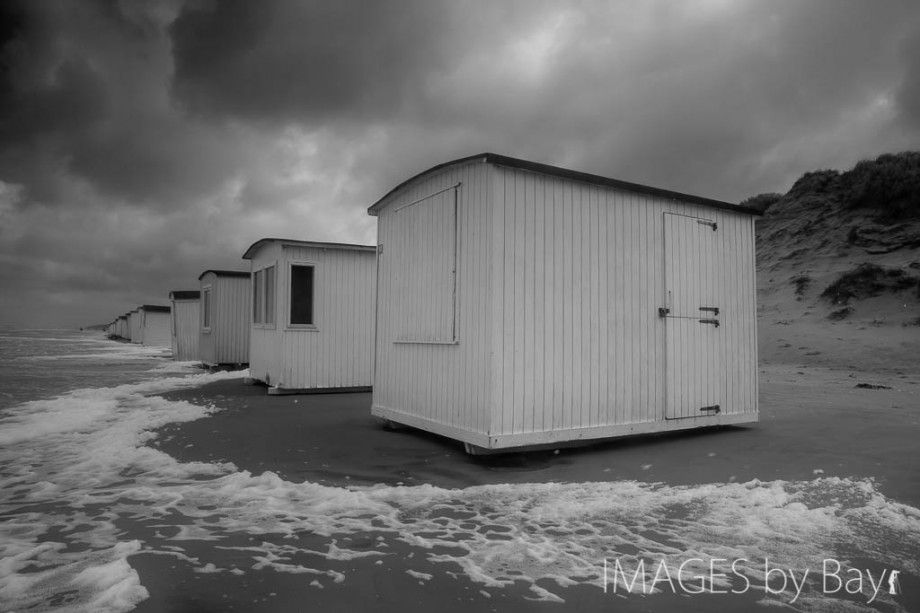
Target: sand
point(814, 422)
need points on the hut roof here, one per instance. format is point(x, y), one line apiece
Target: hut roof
point(574, 175)
point(156, 308)
point(225, 273)
point(321, 245)
point(185, 295)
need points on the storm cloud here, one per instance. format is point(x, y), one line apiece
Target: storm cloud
point(144, 142)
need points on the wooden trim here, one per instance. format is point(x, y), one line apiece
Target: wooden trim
point(283, 391)
point(568, 436)
point(616, 431)
point(421, 423)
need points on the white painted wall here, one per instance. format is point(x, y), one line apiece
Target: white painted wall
point(156, 325)
point(336, 352)
point(559, 335)
point(184, 330)
point(226, 341)
point(136, 329)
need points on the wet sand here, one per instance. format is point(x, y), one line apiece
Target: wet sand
point(814, 422)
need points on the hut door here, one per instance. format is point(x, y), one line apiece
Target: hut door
point(691, 312)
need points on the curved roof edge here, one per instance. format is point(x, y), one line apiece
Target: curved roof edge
point(321, 245)
point(574, 175)
point(225, 273)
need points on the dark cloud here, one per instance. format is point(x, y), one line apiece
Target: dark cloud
point(304, 61)
point(143, 142)
point(908, 91)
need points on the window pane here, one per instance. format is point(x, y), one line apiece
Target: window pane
point(257, 297)
point(206, 308)
point(301, 294)
point(270, 295)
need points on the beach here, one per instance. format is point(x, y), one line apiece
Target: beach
point(804, 442)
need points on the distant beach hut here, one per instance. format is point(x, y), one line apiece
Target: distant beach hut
point(121, 329)
point(225, 313)
point(523, 304)
point(154, 325)
point(313, 315)
point(185, 331)
point(134, 327)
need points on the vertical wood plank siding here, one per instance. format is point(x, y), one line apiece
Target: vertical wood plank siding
point(265, 341)
point(337, 351)
point(185, 329)
point(134, 323)
point(608, 248)
point(441, 382)
point(559, 285)
point(156, 326)
point(227, 340)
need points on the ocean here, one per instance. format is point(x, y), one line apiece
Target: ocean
point(84, 500)
point(41, 364)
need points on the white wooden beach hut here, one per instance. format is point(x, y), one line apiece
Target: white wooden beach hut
point(122, 327)
point(313, 315)
point(185, 331)
point(154, 325)
point(225, 313)
point(135, 330)
point(523, 304)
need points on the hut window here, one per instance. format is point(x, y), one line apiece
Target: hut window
point(206, 308)
point(263, 296)
point(257, 297)
point(302, 295)
point(270, 295)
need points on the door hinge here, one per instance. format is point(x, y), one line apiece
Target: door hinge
point(712, 409)
point(714, 322)
point(715, 310)
point(706, 222)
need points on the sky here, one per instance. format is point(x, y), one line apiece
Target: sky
point(143, 142)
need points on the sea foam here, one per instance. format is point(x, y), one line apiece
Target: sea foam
point(75, 470)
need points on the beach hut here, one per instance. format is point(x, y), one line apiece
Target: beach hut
point(135, 330)
point(313, 315)
point(121, 330)
point(185, 332)
point(523, 304)
point(225, 313)
point(154, 325)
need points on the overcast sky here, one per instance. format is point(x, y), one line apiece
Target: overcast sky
point(144, 142)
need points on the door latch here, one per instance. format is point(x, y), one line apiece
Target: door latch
point(715, 409)
point(714, 310)
point(663, 311)
point(714, 322)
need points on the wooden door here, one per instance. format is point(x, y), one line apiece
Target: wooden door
point(694, 376)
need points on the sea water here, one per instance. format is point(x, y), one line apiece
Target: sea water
point(82, 495)
point(37, 364)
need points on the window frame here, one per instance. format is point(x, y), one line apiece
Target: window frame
point(206, 303)
point(311, 327)
point(406, 337)
point(260, 301)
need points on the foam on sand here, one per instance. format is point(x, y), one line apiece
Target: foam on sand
point(74, 471)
